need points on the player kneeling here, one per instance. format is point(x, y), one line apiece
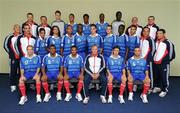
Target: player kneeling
point(116, 71)
point(137, 70)
point(73, 68)
point(52, 68)
point(30, 68)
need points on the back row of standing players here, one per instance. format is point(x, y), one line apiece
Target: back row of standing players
point(157, 50)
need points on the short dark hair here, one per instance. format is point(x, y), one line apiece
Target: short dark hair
point(133, 26)
point(57, 11)
point(122, 26)
point(71, 14)
point(162, 30)
point(30, 14)
point(116, 47)
point(43, 17)
point(118, 13)
point(85, 15)
point(25, 25)
point(101, 14)
point(74, 47)
point(52, 45)
point(30, 46)
point(93, 25)
point(110, 26)
point(41, 29)
point(151, 17)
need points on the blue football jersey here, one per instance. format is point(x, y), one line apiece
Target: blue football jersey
point(121, 41)
point(74, 28)
point(108, 44)
point(86, 29)
point(55, 41)
point(30, 65)
point(101, 28)
point(66, 44)
point(73, 65)
point(115, 65)
point(52, 64)
point(97, 40)
point(137, 67)
point(40, 47)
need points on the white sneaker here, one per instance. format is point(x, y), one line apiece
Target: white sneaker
point(110, 99)
point(156, 90)
point(163, 94)
point(144, 98)
point(130, 97)
point(13, 88)
point(68, 97)
point(47, 97)
point(23, 100)
point(135, 88)
point(79, 97)
point(121, 99)
point(103, 99)
point(58, 96)
point(86, 100)
point(38, 99)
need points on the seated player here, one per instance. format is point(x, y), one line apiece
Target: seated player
point(137, 70)
point(40, 46)
point(132, 42)
point(67, 42)
point(30, 68)
point(95, 69)
point(116, 71)
point(80, 41)
point(73, 68)
point(109, 42)
point(94, 39)
point(52, 67)
point(55, 39)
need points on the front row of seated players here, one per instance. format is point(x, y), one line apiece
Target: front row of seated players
point(73, 66)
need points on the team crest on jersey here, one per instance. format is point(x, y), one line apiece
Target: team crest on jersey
point(53, 42)
point(112, 62)
point(134, 64)
point(49, 61)
point(26, 62)
point(79, 40)
point(70, 62)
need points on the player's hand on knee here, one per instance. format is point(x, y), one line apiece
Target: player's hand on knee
point(66, 77)
point(60, 77)
point(44, 78)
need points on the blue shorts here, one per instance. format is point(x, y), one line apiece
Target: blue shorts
point(116, 76)
point(73, 74)
point(52, 76)
point(138, 77)
point(29, 75)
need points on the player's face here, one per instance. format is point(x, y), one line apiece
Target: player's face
point(94, 50)
point(134, 20)
point(71, 18)
point(42, 34)
point(116, 52)
point(30, 51)
point(74, 51)
point(101, 17)
point(29, 18)
point(27, 29)
point(55, 30)
point(93, 30)
point(121, 29)
point(145, 32)
point(132, 30)
point(80, 29)
point(160, 35)
point(119, 16)
point(108, 30)
point(43, 20)
point(151, 21)
point(57, 16)
point(69, 30)
point(86, 19)
point(17, 29)
point(52, 50)
point(137, 52)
